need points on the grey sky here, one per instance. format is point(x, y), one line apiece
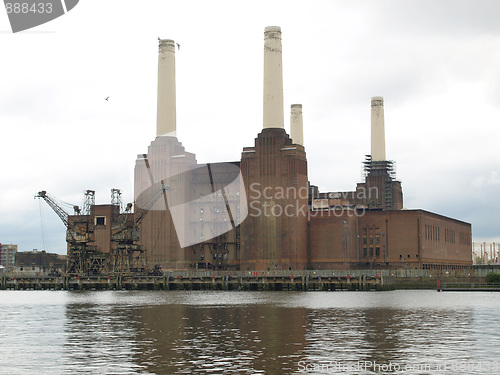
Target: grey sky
point(436, 63)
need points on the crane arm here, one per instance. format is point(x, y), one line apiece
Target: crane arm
point(126, 222)
point(144, 210)
point(63, 215)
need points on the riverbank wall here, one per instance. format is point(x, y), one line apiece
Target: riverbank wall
point(305, 280)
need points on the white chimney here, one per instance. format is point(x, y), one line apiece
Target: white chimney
point(273, 79)
point(378, 132)
point(166, 117)
point(296, 124)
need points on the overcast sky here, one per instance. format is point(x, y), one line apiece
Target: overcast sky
point(436, 63)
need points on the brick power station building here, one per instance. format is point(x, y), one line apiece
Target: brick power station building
point(260, 212)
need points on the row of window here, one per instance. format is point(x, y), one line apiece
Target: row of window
point(444, 267)
point(449, 235)
point(433, 233)
point(371, 251)
point(371, 241)
point(216, 210)
point(464, 238)
point(371, 235)
point(377, 253)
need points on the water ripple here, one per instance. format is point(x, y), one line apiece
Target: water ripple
point(207, 332)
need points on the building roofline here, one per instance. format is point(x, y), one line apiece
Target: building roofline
point(422, 211)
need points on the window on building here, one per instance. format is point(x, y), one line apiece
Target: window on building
point(100, 220)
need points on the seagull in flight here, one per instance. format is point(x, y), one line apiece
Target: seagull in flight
point(178, 46)
point(106, 98)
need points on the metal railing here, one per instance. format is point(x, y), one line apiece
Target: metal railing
point(470, 286)
point(396, 273)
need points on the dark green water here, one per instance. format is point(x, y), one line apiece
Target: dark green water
point(206, 332)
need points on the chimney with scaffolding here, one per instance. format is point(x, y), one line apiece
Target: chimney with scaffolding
point(380, 187)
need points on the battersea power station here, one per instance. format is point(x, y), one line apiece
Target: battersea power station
point(260, 212)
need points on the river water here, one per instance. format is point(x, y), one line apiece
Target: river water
point(217, 332)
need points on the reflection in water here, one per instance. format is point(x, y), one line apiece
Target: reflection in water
point(247, 333)
point(100, 339)
point(31, 333)
point(420, 338)
point(190, 339)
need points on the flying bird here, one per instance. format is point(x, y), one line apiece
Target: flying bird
point(178, 46)
point(106, 98)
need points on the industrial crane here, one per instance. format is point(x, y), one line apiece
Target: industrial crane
point(82, 258)
point(127, 254)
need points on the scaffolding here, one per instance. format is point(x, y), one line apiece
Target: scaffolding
point(384, 173)
point(116, 198)
point(89, 202)
point(388, 194)
point(379, 168)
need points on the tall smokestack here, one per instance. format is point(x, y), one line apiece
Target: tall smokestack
point(296, 124)
point(166, 117)
point(378, 132)
point(273, 79)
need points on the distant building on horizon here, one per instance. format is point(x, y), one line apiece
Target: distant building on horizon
point(8, 256)
point(39, 261)
point(485, 253)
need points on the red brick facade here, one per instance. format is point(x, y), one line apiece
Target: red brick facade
point(395, 239)
point(281, 231)
point(274, 234)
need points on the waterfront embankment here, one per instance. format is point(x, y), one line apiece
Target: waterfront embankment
point(276, 280)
